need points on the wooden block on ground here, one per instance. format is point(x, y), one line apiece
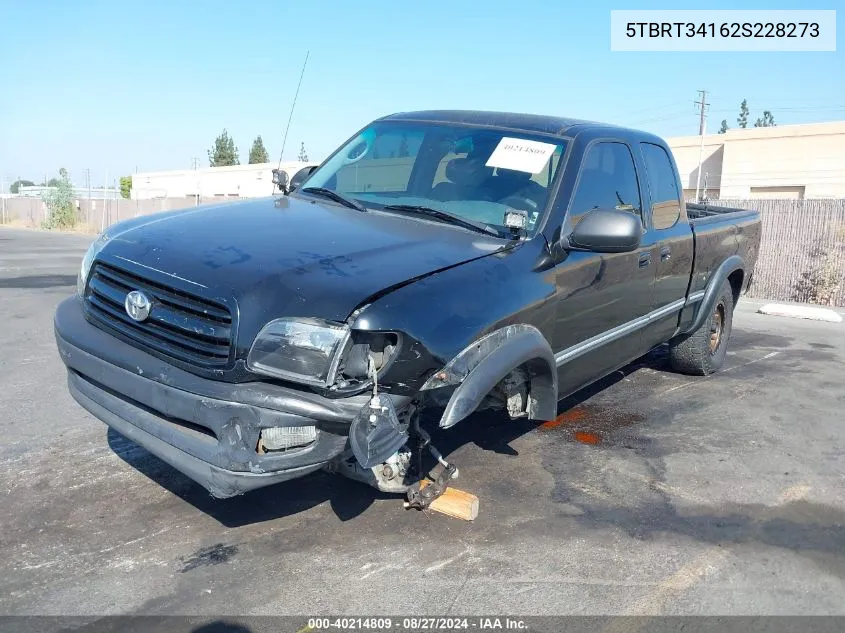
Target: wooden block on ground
point(455, 503)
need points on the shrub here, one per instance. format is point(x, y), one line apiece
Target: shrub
point(820, 284)
point(61, 207)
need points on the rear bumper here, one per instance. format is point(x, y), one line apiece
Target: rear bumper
point(206, 429)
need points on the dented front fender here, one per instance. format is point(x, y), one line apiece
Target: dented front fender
point(482, 365)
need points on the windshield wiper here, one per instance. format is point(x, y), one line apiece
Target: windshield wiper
point(334, 195)
point(444, 216)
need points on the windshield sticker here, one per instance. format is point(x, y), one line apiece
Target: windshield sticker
point(521, 155)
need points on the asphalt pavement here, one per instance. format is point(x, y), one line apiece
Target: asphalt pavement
point(653, 493)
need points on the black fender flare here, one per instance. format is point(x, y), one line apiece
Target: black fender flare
point(708, 302)
point(484, 363)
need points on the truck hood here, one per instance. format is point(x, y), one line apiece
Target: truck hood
point(288, 256)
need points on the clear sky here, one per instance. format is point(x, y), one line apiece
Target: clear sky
point(119, 86)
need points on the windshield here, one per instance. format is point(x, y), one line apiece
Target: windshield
point(474, 173)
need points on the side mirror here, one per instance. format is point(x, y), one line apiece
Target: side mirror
point(300, 177)
point(280, 179)
point(606, 231)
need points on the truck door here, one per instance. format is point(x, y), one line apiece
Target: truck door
point(669, 238)
point(601, 297)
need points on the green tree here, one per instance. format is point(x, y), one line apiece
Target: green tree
point(303, 155)
point(258, 153)
point(742, 120)
point(724, 127)
point(53, 182)
point(16, 186)
point(126, 186)
point(61, 208)
point(224, 151)
point(766, 121)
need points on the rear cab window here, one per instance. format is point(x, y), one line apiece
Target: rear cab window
point(663, 186)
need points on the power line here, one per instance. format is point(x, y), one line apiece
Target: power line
point(663, 117)
point(665, 106)
point(832, 108)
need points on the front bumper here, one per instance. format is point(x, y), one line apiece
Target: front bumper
point(204, 428)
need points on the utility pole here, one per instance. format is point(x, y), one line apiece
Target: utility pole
point(88, 184)
point(702, 126)
point(116, 199)
point(105, 202)
point(195, 163)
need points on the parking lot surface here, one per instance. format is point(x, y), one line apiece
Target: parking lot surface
point(652, 493)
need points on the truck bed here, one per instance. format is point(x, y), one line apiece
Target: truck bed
point(696, 211)
point(711, 227)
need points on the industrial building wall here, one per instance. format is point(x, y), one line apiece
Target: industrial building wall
point(805, 161)
point(236, 181)
point(686, 152)
point(782, 162)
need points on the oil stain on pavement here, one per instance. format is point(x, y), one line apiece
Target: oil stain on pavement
point(592, 424)
point(212, 555)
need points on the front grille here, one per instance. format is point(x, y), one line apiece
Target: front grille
point(182, 326)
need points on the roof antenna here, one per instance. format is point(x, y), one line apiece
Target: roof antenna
point(293, 105)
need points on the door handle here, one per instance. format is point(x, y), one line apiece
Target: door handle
point(645, 259)
point(665, 253)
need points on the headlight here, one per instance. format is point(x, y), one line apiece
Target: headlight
point(85, 268)
point(302, 350)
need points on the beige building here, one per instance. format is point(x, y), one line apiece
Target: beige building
point(237, 181)
point(786, 161)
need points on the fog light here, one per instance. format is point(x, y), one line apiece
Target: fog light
point(283, 438)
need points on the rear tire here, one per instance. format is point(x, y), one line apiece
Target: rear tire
point(703, 352)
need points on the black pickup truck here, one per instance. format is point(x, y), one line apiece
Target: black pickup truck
point(439, 260)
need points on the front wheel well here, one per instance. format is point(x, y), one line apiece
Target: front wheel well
point(517, 389)
point(522, 348)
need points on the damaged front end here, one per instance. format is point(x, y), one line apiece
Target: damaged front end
point(386, 444)
point(510, 369)
point(343, 363)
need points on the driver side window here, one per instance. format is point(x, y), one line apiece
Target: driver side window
point(608, 180)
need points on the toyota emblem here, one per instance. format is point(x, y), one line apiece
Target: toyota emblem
point(137, 305)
